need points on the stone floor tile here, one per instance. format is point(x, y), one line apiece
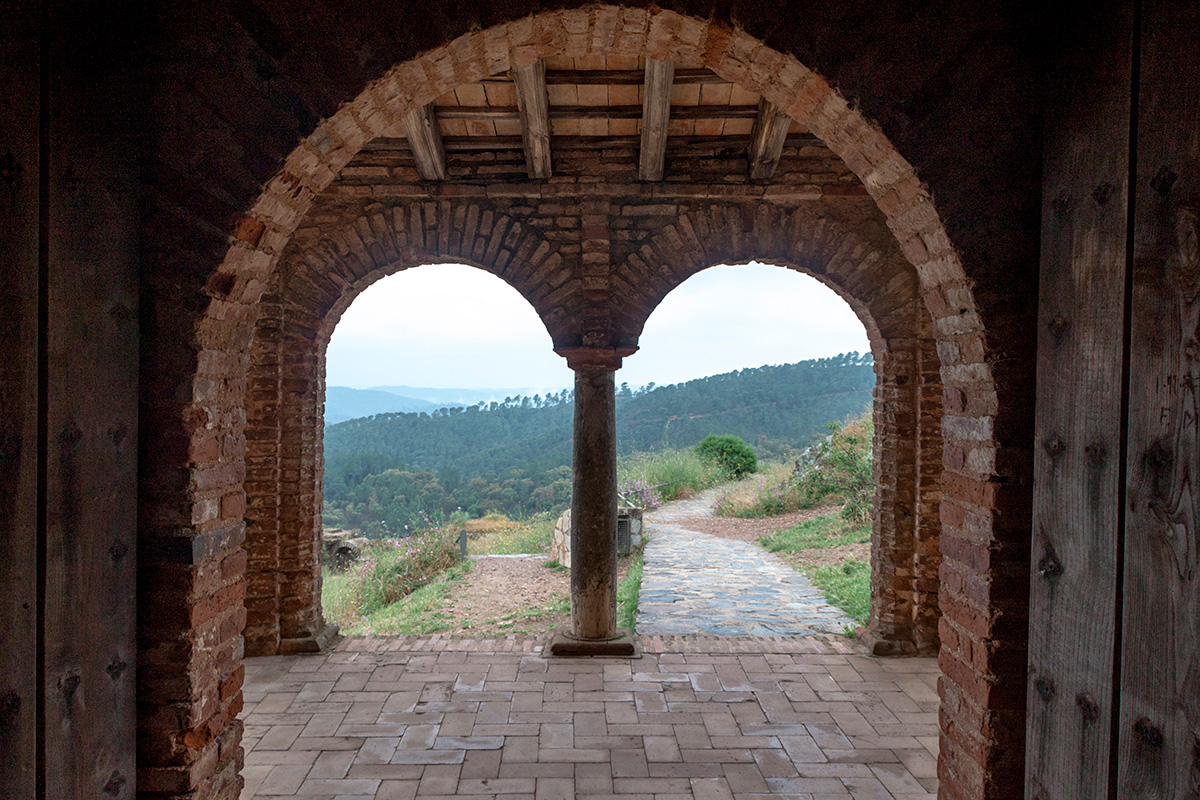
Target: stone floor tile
point(284, 779)
point(481, 764)
point(440, 779)
point(332, 764)
point(711, 789)
point(565, 769)
point(897, 779)
point(279, 737)
point(555, 789)
point(744, 778)
point(497, 786)
point(397, 790)
point(320, 786)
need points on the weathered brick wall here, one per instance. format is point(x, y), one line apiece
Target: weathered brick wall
point(237, 154)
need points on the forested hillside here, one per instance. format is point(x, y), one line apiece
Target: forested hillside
point(515, 456)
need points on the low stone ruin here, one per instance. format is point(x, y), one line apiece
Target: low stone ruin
point(560, 542)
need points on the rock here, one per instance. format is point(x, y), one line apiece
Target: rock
point(560, 542)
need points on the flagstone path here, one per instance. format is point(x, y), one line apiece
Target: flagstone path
point(696, 583)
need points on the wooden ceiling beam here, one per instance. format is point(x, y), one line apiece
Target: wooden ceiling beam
point(425, 138)
point(599, 112)
point(615, 77)
point(533, 106)
point(766, 140)
point(454, 144)
point(656, 116)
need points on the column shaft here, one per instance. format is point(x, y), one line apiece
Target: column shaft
point(594, 507)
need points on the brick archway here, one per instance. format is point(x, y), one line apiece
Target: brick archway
point(298, 312)
point(978, 683)
point(853, 254)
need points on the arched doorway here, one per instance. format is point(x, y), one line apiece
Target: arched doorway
point(881, 288)
point(285, 420)
point(589, 299)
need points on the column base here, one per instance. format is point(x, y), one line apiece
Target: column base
point(312, 643)
point(884, 647)
point(566, 644)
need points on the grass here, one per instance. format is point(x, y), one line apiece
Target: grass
point(827, 530)
point(559, 605)
point(515, 538)
point(650, 479)
point(766, 494)
point(422, 612)
point(846, 584)
point(627, 593)
point(387, 571)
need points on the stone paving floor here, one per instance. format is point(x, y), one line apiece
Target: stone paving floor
point(696, 583)
point(692, 718)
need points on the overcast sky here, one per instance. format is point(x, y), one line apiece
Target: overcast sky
point(448, 325)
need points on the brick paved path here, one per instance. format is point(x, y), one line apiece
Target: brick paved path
point(694, 718)
point(696, 583)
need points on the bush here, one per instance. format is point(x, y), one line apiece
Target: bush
point(840, 469)
point(387, 571)
point(665, 475)
point(735, 458)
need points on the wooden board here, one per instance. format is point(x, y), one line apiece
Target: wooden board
point(534, 104)
point(656, 116)
point(425, 139)
point(1159, 726)
point(91, 419)
point(766, 140)
point(1075, 549)
point(18, 407)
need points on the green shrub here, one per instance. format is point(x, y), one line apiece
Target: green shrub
point(735, 458)
point(387, 571)
point(839, 469)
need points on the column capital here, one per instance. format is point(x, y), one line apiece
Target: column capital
point(595, 357)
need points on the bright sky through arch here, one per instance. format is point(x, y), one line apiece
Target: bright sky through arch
point(449, 325)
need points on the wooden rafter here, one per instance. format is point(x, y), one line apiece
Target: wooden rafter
point(615, 77)
point(766, 140)
point(598, 112)
point(656, 116)
point(455, 144)
point(425, 138)
point(533, 106)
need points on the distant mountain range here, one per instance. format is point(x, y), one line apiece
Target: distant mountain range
point(514, 455)
point(343, 403)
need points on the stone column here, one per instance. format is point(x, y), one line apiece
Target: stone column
point(594, 510)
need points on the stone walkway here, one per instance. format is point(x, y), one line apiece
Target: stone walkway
point(696, 583)
point(693, 718)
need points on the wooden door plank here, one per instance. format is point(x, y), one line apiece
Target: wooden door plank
point(1159, 728)
point(656, 116)
point(91, 418)
point(533, 103)
point(1074, 582)
point(19, 155)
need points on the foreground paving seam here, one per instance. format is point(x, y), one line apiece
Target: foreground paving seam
point(384, 718)
point(693, 582)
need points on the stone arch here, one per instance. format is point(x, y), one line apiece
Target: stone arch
point(856, 257)
point(299, 310)
point(212, 420)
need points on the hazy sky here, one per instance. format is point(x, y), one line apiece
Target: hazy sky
point(448, 325)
